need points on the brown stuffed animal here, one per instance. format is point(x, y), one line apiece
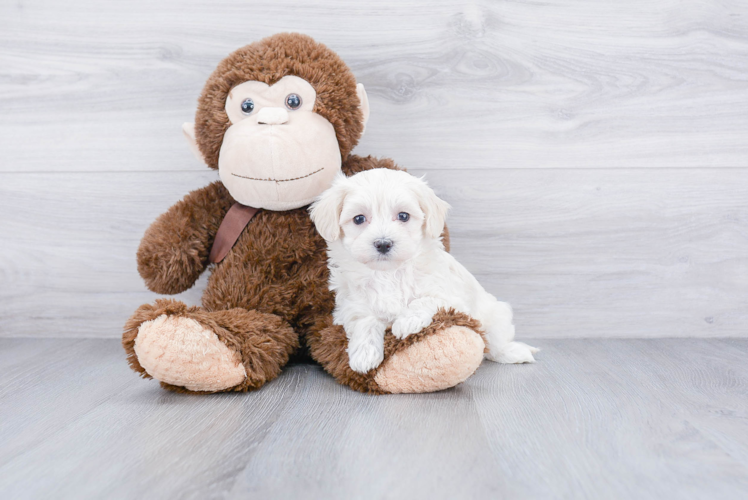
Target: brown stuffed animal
point(278, 119)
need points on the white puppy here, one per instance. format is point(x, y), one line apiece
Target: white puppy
point(388, 267)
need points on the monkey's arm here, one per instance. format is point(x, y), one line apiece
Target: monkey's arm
point(355, 164)
point(174, 250)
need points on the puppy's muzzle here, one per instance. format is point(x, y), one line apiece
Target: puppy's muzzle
point(383, 245)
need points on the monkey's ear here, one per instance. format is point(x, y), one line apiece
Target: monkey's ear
point(188, 129)
point(361, 92)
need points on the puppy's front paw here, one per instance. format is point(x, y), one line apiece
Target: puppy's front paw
point(410, 324)
point(364, 356)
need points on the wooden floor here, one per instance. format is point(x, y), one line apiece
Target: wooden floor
point(665, 418)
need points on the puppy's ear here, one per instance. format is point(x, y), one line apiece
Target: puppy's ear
point(325, 212)
point(434, 209)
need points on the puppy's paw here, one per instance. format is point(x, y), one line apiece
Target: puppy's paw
point(513, 352)
point(365, 356)
point(410, 324)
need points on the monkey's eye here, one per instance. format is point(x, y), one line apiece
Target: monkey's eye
point(293, 101)
point(359, 219)
point(403, 216)
point(248, 105)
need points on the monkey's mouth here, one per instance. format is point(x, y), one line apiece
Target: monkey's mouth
point(278, 180)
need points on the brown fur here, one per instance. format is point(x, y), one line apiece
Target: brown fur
point(263, 341)
point(329, 346)
point(268, 61)
point(175, 248)
point(269, 297)
point(276, 274)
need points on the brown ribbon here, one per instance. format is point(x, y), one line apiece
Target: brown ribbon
point(231, 228)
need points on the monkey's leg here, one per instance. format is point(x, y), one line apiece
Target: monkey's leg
point(189, 349)
point(441, 356)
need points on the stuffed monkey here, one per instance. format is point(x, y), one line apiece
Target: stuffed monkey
point(278, 120)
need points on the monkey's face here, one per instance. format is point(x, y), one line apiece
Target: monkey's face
point(277, 153)
point(278, 146)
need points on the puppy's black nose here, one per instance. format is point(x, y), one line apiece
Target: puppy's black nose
point(383, 245)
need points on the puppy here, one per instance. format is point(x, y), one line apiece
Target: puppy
point(388, 267)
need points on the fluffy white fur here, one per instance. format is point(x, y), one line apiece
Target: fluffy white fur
point(404, 287)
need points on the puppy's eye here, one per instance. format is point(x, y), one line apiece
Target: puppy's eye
point(403, 216)
point(248, 105)
point(293, 101)
point(359, 219)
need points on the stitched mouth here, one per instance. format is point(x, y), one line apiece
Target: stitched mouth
point(278, 180)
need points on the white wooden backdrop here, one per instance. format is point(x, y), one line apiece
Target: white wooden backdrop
point(595, 152)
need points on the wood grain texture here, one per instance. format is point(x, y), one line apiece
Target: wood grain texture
point(579, 253)
point(92, 86)
point(594, 151)
point(595, 156)
point(645, 419)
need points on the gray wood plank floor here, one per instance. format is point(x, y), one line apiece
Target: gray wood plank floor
point(661, 419)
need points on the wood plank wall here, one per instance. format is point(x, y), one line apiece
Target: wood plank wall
point(595, 152)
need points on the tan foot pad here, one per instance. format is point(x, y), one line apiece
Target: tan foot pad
point(437, 362)
point(181, 352)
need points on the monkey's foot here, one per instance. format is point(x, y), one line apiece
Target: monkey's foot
point(189, 349)
point(438, 361)
point(180, 351)
point(442, 355)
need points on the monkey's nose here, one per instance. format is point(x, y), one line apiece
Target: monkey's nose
point(272, 116)
point(383, 245)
